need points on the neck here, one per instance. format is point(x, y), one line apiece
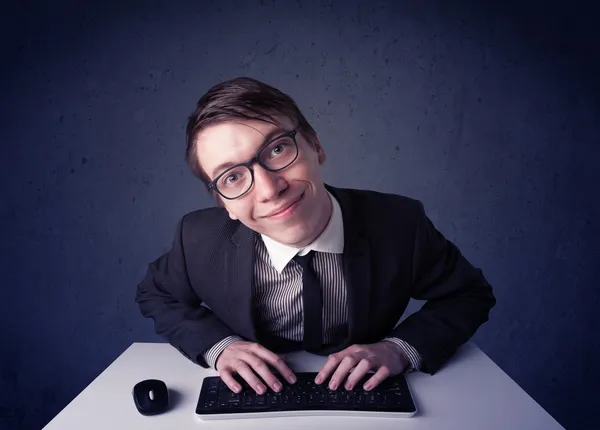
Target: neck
point(323, 222)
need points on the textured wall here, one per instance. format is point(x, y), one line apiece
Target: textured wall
point(488, 114)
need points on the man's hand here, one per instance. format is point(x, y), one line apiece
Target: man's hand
point(386, 358)
point(249, 359)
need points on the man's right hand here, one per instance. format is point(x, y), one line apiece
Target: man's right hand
point(249, 359)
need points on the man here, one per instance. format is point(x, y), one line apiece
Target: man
point(286, 262)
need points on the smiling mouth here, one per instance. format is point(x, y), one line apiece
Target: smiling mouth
point(285, 208)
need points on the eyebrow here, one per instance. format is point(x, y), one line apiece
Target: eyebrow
point(273, 134)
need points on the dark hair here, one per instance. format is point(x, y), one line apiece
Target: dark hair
point(240, 98)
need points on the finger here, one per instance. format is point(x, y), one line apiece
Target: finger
point(378, 377)
point(275, 361)
point(361, 369)
point(260, 367)
point(328, 368)
point(227, 376)
point(244, 370)
point(342, 371)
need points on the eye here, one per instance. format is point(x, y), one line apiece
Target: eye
point(278, 148)
point(230, 179)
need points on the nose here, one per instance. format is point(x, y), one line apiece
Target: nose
point(267, 185)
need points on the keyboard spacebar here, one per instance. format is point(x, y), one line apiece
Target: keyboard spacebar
point(304, 413)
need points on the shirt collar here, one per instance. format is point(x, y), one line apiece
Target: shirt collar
point(330, 240)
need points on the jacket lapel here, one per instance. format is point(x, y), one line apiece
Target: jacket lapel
point(240, 279)
point(357, 268)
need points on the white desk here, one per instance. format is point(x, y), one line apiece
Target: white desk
point(470, 392)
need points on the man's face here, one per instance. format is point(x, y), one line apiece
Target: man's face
point(290, 206)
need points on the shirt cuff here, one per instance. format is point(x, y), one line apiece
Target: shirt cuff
point(414, 358)
point(213, 353)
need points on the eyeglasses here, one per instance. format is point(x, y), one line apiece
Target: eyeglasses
point(274, 156)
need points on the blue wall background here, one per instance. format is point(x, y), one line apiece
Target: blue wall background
point(487, 113)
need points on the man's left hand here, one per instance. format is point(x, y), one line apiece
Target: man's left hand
point(384, 357)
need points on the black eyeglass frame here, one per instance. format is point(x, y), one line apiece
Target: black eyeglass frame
point(212, 185)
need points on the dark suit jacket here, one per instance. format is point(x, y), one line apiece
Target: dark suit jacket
point(200, 291)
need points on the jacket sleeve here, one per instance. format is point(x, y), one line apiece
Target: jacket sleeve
point(166, 296)
point(458, 297)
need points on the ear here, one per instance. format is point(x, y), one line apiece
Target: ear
point(231, 215)
point(221, 204)
point(321, 155)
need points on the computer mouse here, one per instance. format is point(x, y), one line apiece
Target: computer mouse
point(151, 397)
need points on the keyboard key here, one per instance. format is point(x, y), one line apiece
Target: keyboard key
point(334, 398)
point(348, 398)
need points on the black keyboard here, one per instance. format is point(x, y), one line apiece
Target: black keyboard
point(391, 398)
